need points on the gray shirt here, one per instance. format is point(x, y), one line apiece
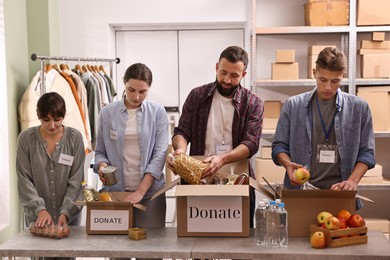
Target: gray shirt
point(43, 181)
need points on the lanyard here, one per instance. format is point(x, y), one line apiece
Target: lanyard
point(326, 132)
point(222, 119)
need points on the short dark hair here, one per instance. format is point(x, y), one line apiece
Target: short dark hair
point(51, 103)
point(235, 54)
point(332, 59)
point(138, 71)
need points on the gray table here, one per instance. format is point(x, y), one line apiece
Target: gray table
point(164, 243)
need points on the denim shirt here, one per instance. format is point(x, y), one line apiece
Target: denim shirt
point(153, 139)
point(353, 129)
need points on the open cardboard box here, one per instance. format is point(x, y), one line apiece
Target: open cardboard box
point(114, 217)
point(214, 210)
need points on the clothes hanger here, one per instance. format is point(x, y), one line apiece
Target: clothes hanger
point(101, 68)
point(64, 66)
point(48, 67)
point(56, 67)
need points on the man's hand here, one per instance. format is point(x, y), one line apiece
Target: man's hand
point(43, 218)
point(216, 163)
point(290, 168)
point(169, 162)
point(344, 185)
point(100, 173)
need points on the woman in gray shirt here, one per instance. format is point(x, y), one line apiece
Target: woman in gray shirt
point(50, 166)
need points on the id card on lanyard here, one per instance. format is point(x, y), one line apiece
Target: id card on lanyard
point(326, 153)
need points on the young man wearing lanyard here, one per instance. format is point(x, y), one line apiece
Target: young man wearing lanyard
point(327, 130)
point(222, 120)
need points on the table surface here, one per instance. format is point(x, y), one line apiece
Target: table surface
point(164, 243)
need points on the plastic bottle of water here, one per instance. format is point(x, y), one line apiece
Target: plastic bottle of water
point(283, 227)
point(261, 224)
point(272, 224)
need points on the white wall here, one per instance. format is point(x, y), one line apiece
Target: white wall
point(86, 26)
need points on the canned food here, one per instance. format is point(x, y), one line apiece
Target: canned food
point(110, 175)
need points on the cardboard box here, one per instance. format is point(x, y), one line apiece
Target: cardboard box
point(311, 64)
point(371, 180)
point(379, 103)
point(316, 49)
point(378, 224)
point(325, 13)
point(266, 152)
point(375, 172)
point(373, 12)
point(378, 36)
point(270, 123)
point(285, 71)
point(214, 210)
point(285, 56)
point(373, 51)
point(272, 108)
point(109, 217)
point(303, 207)
point(267, 169)
point(384, 45)
point(375, 66)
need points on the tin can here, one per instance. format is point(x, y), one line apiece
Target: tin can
point(110, 175)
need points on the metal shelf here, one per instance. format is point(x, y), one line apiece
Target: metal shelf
point(269, 134)
point(362, 82)
point(301, 30)
point(372, 28)
point(290, 83)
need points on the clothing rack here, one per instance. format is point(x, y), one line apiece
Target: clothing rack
point(34, 57)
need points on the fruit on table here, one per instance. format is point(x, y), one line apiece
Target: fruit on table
point(345, 214)
point(302, 175)
point(332, 223)
point(323, 216)
point(356, 220)
point(318, 240)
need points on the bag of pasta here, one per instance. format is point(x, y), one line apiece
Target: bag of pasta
point(188, 168)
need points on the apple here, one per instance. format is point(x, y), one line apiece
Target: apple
point(345, 214)
point(332, 223)
point(302, 175)
point(343, 223)
point(318, 240)
point(323, 216)
point(356, 220)
point(323, 225)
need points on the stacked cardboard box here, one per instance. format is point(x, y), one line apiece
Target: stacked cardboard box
point(285, 67)
point(373, 12)
point(378, 99)
point(272, 110)
point(375, 57)
point(312, 55)
point(373, 176)
point(327, 12)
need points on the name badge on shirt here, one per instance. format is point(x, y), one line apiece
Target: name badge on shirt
point(66, 159)
point(222, 148)
point(327, 153)
point(113, 135)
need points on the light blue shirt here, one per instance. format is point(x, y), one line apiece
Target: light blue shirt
point(353, 129)
point(152, 128)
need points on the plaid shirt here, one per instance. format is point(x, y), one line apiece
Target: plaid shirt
point(247, 120)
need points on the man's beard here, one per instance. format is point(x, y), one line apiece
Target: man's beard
point(226, 92)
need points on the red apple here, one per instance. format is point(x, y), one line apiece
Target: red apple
point(323, 225)
point(356, 220)
point(323, 216)
point(343, 223)
point(318, 240)
point(302, 175)
point(332, 223)
point(345, 214)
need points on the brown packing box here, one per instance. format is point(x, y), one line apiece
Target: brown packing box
point(373, 51)
point(266, 152)
point(311, 64)
point(379, 103)
point(375, 66)
point(214, 210)
point(377, 171)
point(378, 36)
point(384, 45)
point(285, 56)
point(325, 13)
point(316, 49)
point(378, 224)
point(272, 108)
point(109, 217)
point(270, 123)
point(267, 169)
point(285, 71)
point(373, 12)
point(303, 207)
